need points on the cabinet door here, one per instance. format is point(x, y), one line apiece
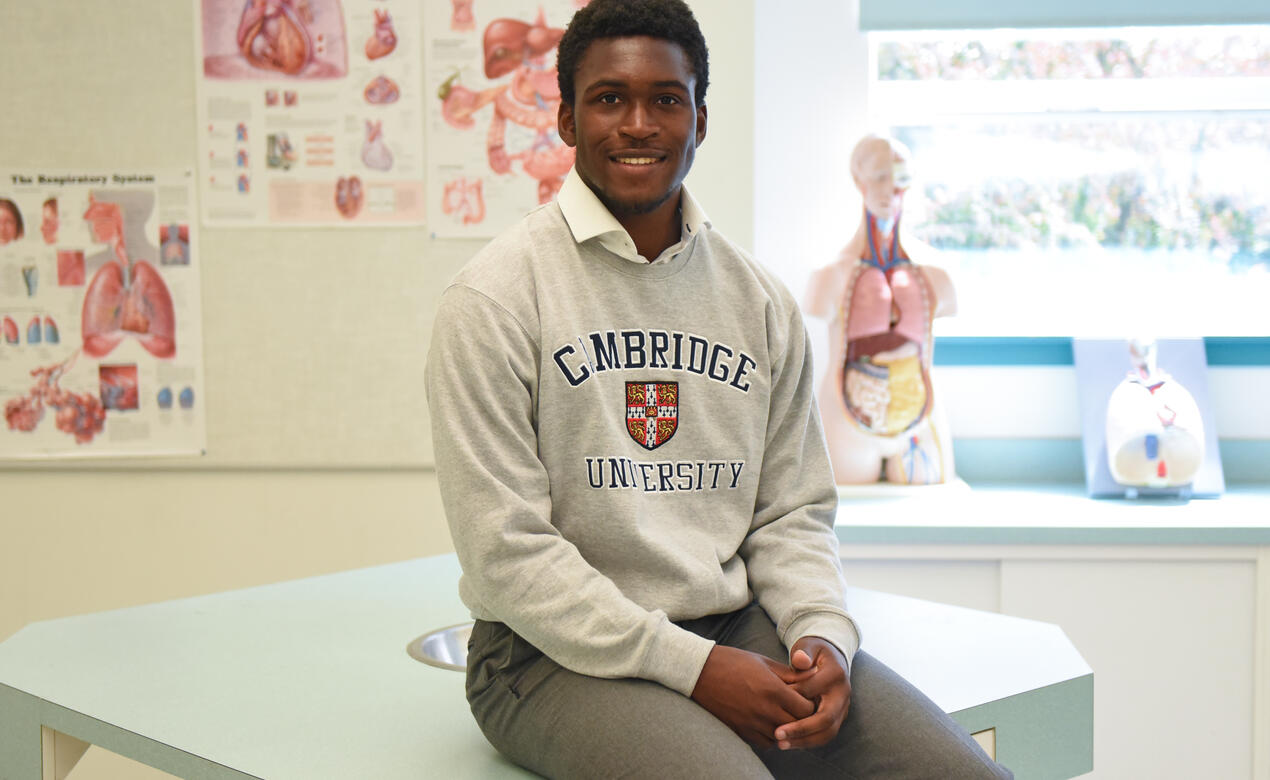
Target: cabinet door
point(1171, 643)
point(973, 584)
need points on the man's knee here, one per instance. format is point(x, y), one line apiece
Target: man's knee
point(570, 725)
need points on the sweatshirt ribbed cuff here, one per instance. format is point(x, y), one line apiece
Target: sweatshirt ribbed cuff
point(676, 658)
point(837, 629)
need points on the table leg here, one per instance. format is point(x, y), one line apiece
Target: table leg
point(987, 740)
point(21, 752)
point(60, 753)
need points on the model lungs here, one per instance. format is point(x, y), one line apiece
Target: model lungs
point(114, 307)
point(882, 302)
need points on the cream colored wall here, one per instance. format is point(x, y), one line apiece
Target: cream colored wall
point(319, 457)
point(87, 541)
point(304, 475)
point(298, 479)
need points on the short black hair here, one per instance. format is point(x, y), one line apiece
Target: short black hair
point(669, 20)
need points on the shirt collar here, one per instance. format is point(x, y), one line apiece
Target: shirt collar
point(589, 219)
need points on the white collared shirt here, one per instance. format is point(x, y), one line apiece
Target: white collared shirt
point(589, 219)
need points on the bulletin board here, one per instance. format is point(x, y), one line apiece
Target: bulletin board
point(315, 339)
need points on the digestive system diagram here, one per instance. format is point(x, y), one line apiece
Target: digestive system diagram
point(523, 54)
point(126, 298)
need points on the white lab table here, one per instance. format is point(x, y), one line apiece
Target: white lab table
point(311, 679)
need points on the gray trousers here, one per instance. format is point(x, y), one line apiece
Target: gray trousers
point(561, 724)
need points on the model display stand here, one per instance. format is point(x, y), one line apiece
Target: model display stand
point(1147, 423)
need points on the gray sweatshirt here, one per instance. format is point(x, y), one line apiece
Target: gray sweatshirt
point(624, 445)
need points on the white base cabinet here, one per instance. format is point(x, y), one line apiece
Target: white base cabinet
point(1175, 634)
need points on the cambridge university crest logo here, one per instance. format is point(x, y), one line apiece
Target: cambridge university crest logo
point(652, 412)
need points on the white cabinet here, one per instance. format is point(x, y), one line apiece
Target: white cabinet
point(1174, 626)
point(1171, 645)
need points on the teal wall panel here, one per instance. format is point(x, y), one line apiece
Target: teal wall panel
point(1057, 351)
point(973, 14)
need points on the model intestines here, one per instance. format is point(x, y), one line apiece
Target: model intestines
point(530, 99)
point(1155, 433)
point(876, 400)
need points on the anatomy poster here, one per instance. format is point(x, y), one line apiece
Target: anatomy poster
point(309, 112)
point(493, 150)
point(101, 349)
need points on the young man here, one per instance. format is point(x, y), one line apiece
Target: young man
point(634, 472)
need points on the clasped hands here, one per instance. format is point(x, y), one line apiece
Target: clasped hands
point(766, 703)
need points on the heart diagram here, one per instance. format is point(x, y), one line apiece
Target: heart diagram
point(384, 39)
point(265, 39)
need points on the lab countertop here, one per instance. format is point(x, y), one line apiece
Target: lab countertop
point(1047, 514)
point(311, 679)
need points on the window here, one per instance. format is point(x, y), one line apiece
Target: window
point(1101, 182)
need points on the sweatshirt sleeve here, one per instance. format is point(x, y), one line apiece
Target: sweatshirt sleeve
point(791, 553)
point(482, 385)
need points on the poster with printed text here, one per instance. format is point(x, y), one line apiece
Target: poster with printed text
point(101, 330)
point(493, 150)
point(309, 112)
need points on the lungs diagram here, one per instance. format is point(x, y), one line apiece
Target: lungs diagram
point(111, 299)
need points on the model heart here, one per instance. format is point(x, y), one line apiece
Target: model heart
point(115, 307)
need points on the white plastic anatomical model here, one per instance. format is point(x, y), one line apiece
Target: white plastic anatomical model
point(876, 400)
point(1155, 435)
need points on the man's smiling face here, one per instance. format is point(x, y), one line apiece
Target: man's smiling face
point(634, 123)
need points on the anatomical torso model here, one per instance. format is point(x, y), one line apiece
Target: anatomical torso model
point(876, 398)
point(1155, 434)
